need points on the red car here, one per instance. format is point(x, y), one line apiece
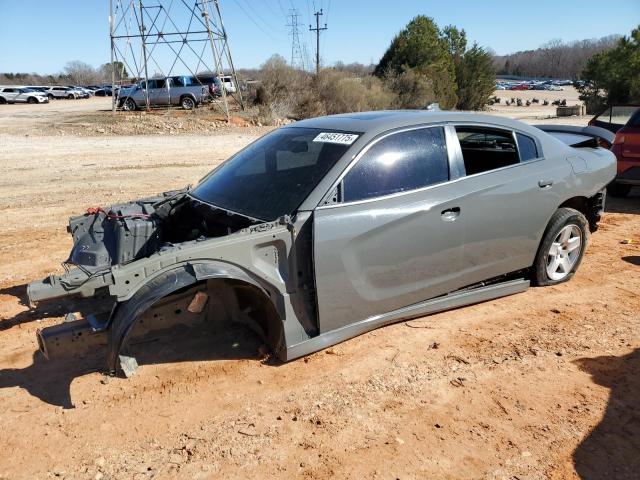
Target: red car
point(520, 86)
point(624, 121)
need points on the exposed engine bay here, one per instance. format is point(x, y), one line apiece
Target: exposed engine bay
point(124, 233)
point(130, 231)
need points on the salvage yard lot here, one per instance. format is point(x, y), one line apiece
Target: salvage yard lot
point(545, 384)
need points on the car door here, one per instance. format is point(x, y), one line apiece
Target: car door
point(21, 96)
point(508, 197)
point(10, 94)
point(160, 93)
point(395, 236)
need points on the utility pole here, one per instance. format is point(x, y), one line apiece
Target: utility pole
point(318, 30)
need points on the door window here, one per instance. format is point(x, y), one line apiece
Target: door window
point(485, 149)
point(401, 162)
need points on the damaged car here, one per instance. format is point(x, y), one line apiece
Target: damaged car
point(330, 227)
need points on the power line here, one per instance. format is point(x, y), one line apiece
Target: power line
point(255, 22)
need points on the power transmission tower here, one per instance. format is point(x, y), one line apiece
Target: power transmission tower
point(297, 60)
point(172, 38)
point(318, 30)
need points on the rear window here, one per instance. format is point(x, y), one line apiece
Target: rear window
point(527, 147)
point(615, 117)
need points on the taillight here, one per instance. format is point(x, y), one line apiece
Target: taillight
point(619, 140)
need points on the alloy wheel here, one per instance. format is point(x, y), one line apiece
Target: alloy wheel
point(564, 252)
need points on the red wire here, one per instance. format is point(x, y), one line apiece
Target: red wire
point(97, 210)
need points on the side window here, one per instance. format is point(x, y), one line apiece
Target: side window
point(398, 163)
point(527, 147)
point(485, 149)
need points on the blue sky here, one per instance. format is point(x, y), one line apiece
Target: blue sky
point(42, 36)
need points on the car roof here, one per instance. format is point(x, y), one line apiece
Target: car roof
point(373, 123)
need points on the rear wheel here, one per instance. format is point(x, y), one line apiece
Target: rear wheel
point(3, 100)
point(32, 100)
point(129, 105)
point(70, 96)
point(562, 247)
point(618, 190)
point(188, 103)
point(50, 96)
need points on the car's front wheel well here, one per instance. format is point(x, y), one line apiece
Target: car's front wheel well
point(168, 298)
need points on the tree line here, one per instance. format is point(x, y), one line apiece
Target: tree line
point(554, 59)
point(74, 73)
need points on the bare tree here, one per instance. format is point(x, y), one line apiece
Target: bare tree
point(81, 73)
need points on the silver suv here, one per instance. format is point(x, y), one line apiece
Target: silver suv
point(181, 91)
point(63, 92)
point(21, 95)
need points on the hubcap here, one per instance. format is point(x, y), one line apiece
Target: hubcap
point(564, 252)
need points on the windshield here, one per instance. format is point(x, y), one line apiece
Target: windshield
point(272, 176)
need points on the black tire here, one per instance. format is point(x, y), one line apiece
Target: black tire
point(563, 217)
point(32, 100)
point(129, 105)
point(70, 96)
point(187, 103)
point(50, 95)
point(618, 190)
point(3, 101)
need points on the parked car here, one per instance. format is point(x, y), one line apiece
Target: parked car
point(177, 90)
point(624, 122)
point(229, 84)
point(519, 86)
point(83, 92)
point(103, 92)
point(21, 95)
point(330, 227)
point(62, 92)
point(213, 82)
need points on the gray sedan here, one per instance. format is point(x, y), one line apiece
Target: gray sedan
point(331, 227)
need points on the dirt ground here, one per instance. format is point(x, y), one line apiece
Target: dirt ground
point(544, 384)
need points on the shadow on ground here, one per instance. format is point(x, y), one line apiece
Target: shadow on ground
point(50, 380)
point(612, 450)
point(628, 204)
point(57, 308)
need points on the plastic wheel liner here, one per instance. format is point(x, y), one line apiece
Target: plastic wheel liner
point(127, 313)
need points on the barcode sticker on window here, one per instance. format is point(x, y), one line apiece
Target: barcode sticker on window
point(333, 137)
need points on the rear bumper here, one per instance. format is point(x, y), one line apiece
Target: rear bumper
point(628, 167)
point(629, 176)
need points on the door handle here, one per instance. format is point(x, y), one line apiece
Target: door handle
point(450, 214)
point(545, 183)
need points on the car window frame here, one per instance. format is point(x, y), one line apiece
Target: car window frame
point(454, 172)
point(510, 130)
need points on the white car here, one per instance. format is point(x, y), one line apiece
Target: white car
point(21, 95)
point(63, 92)
point(229, 84)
